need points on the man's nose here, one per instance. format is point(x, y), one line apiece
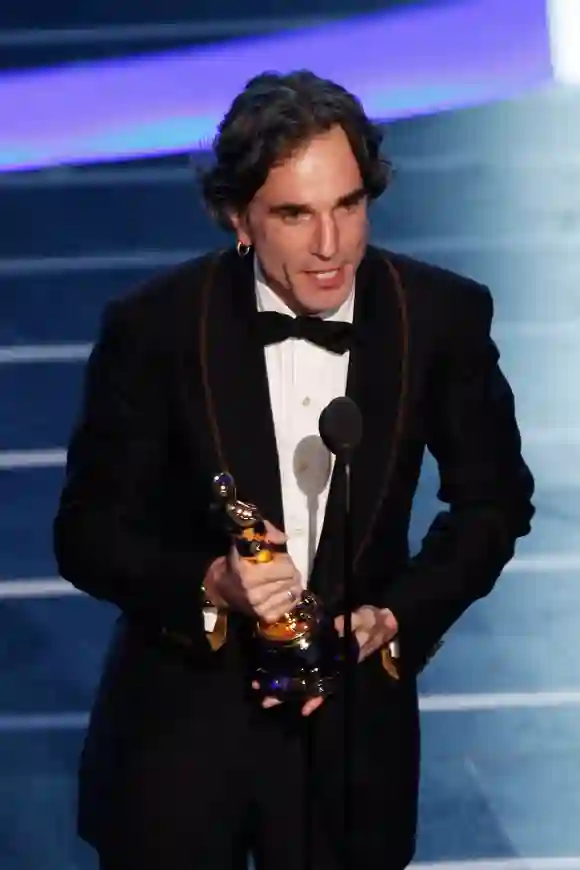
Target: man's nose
point(325, 242)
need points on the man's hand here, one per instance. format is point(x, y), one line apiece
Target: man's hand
point(372, 627)
point(266, 590)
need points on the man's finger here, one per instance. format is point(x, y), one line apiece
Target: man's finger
point(308, 708)
point(266, 702)
point(363, 636)
point(357, 620)
point(312, 705)
point(274, 535)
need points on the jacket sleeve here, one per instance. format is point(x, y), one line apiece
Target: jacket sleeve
point(474, 437)
point(104, 539)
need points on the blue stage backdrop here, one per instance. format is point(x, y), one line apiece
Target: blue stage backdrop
point(491, 191)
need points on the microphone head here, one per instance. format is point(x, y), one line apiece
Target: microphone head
point(340, 426)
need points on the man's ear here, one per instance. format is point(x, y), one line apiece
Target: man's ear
point(240, 224)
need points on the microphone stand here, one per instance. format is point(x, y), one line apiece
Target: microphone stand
point(349, 668)
point(340, 428)
point(350, 664)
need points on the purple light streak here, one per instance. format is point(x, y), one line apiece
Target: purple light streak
point(423, 59)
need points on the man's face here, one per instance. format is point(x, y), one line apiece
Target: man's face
point(308, 224)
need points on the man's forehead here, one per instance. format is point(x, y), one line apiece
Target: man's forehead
point(327, 185)
point(336, 191)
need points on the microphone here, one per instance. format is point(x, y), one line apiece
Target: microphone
point(341, 428)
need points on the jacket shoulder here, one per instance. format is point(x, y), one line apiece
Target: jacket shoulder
point(428, 275)
point(161, 292)
point(449, 295)
point(154, 313)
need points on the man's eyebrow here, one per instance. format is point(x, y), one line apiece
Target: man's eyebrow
point(350, 198)
point(353, 197)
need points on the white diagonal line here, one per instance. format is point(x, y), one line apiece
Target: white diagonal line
point(12, 460)
point(64, 720)
point(540, 435)
point(39, 587)
point(540, 563)
point(18, 266)
point(79, 351)
point(38, 353)
point(498, 701)
point(564, 862)
point(418, 245)
point(16, 722)
point(551, 434)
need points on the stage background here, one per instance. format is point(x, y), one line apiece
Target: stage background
point(491, 191)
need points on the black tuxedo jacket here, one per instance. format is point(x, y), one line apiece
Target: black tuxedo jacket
point(176, 391)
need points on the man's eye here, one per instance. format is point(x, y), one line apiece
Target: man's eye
point(293, 216)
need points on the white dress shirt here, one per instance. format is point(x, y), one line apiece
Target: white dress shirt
point(303, 378)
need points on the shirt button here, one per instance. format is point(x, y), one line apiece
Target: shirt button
point(306, 401)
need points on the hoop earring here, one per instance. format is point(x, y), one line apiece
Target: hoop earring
point(243, 250)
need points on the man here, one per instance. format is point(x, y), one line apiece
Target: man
point(185, 766)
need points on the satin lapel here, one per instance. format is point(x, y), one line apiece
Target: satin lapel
point(236, 392)
point(377, 382)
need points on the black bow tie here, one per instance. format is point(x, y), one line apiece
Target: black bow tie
point(334, 335)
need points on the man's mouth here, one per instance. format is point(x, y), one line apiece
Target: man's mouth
point(328, 279)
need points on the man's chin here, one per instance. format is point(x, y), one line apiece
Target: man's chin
point(318, 292)
point(317, 300)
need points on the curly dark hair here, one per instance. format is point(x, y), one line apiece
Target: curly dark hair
point(272, 117)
